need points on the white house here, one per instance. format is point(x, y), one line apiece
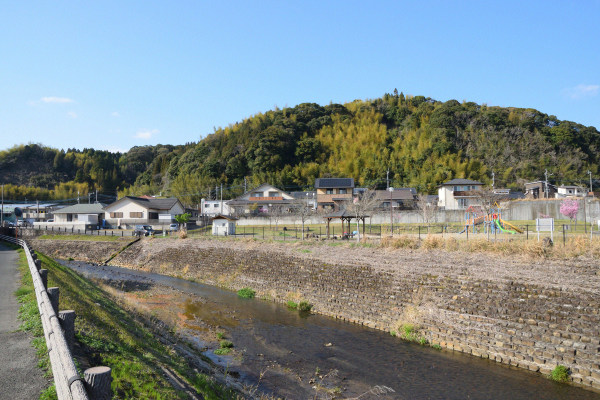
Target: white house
point(457, 194)
point(130, 211)
point(79, 216)
point(212, 208)
point(261, 200)
point(223, 225)
point(570, 191)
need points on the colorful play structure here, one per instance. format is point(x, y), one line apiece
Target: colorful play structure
point(492, 222)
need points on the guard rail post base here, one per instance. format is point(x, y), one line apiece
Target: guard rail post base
point(53, 294)
point(67, 323)
point(44, 276)
point(97, 382)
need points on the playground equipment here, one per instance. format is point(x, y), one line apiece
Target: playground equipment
point(491, 222)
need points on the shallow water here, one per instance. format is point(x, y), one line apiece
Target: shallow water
point(290, 347)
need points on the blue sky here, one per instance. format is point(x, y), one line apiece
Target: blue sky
point(116, 74)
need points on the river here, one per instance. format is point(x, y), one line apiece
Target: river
point(304, 356)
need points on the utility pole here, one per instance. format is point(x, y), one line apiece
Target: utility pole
point(221, 199)
point(387, 180)
point(245, 185)
point(78, 197)
point(546, 174)
point(2, 214)
point(590, 174)
point(391, 189)
point(493, 180)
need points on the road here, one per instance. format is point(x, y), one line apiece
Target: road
point(20, 377)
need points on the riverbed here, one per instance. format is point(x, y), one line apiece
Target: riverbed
point(298, 356)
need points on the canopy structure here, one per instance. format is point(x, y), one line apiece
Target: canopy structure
point(345, 217)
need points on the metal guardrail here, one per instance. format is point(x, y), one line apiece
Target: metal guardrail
point(58, 331)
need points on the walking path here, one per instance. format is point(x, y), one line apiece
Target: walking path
point(20, 377)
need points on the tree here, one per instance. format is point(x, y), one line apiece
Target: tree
point(182, 220)
point(303, 210)
point(487, 198)
point(569, 208)
point(426, 209)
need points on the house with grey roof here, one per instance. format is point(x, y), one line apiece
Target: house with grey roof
point(332, 192)
point(130, 211)
point(88, 216)
point(399, 198)
point(458, 194)
point(261, 200)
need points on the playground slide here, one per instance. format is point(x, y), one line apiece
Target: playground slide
point(511, 226)
point(499, 225)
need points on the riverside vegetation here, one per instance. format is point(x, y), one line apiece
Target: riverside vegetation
point(109, 335)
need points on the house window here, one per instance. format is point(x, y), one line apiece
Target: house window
point(215, 205)
point(257, 194)
point(329, 191)
point(116, 215)
point(463, 203)
point(342, 191)
point(273, 194)
point(456, 188)
point(136, 215)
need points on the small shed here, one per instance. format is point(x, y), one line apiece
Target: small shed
point(223, 225)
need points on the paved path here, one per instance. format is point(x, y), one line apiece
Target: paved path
point(20, 377)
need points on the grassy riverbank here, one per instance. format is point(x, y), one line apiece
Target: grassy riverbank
point(109, 335)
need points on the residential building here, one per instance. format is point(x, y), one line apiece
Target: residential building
point(90, 216)
point(130, 211)
point(571, 191)
point(212, 208)
point(400, 198)
point(309, 197)
point(333, 192)
point(539, 190)
point(262, 200)
point(457, 194)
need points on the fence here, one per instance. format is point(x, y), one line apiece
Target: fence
point(59, 329)
point(378, 231)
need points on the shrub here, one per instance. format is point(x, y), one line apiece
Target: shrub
point(292, 305)
point(436, 346)
point(225, 344)
point(433, 242)
point(305, 306)
point(182, 234)
point(222, 351)
point(246, 293)
point(560, 373)
point(220, 335)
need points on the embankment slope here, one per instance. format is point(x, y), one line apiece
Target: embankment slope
point(530, 313)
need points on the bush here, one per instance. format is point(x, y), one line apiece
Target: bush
point(305, 306)
point(560, 374)
point(225, 344)
point(246, 293)
point(222, 351)
point(292, 305)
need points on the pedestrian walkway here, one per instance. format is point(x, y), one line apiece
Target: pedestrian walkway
point(20, 377)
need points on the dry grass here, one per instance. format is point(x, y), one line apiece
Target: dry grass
point(574, 247)
point(183, 234)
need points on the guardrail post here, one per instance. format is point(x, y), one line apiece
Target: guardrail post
point(38, 264)
point(53, 294)
point(67, 322)
point(44, 276)
point(98, 380)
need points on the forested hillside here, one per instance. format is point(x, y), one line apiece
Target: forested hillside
point(421, 141)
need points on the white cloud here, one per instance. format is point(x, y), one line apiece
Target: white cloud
point(581, 91)
point(146, 134)
point(115, 114)
point(72, 114)
point(56, 100)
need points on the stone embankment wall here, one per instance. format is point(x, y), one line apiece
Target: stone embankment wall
point(530, 314)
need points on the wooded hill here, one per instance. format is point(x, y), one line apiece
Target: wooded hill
point(421, 141)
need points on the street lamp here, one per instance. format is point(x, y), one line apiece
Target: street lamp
point(391, 189)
